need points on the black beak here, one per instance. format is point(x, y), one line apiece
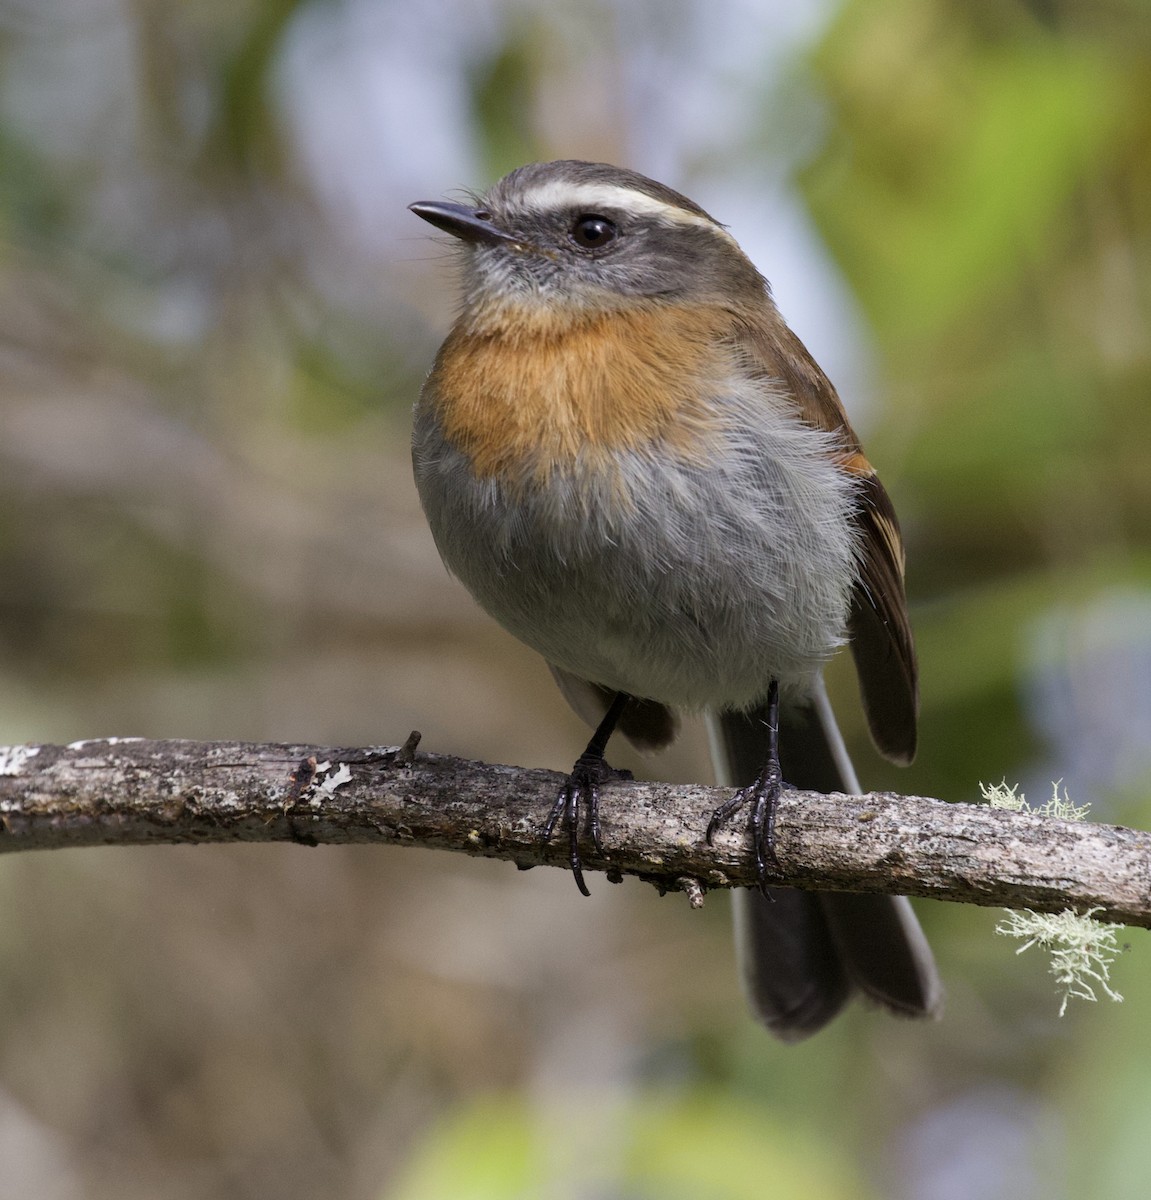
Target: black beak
point(468, 224)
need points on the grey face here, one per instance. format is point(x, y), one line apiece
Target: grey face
point(592, 235)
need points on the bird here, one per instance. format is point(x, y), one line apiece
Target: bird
point(635, 466)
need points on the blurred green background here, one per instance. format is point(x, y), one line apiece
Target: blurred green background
point(214, 317)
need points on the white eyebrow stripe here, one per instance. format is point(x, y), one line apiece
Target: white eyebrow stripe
point(556, 193)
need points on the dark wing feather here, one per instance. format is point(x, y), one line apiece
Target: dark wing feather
point(881, 639)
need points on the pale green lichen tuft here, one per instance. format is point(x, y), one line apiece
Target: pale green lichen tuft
point(1059, 807)
point(1082, 949)
point(999, 795)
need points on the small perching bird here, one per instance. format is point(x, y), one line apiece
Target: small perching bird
point(637, 468)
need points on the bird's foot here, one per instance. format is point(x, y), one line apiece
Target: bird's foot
point(580, 794)
point(763, 796)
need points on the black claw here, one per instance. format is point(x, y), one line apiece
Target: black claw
point(577, 869)
point(723, 812)
point(572, 820)
point(593, 821)
point(558, 808)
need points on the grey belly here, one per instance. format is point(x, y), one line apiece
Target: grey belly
point(676, 582)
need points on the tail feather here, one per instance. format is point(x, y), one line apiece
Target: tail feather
point(803, 955)
point(792, 973)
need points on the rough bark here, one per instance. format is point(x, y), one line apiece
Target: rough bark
point(132, 791)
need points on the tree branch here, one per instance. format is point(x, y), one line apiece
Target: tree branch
point(132, 791)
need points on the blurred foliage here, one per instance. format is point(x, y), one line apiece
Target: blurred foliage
point(503, 89)
point(208, 343)
point(650, 1147)
point(971, 147)
point(983, 187)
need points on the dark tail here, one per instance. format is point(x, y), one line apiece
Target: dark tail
point(803, 956)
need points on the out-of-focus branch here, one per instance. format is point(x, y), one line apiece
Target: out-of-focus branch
point(132, 791)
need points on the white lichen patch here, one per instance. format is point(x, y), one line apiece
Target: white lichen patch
point(343, 775)
point(13, 758)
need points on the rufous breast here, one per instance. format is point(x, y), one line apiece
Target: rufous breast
point(532, 391)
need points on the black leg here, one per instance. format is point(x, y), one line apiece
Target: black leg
point(763, 795)
point(582, 789)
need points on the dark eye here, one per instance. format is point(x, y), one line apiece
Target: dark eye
point(592, 231)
